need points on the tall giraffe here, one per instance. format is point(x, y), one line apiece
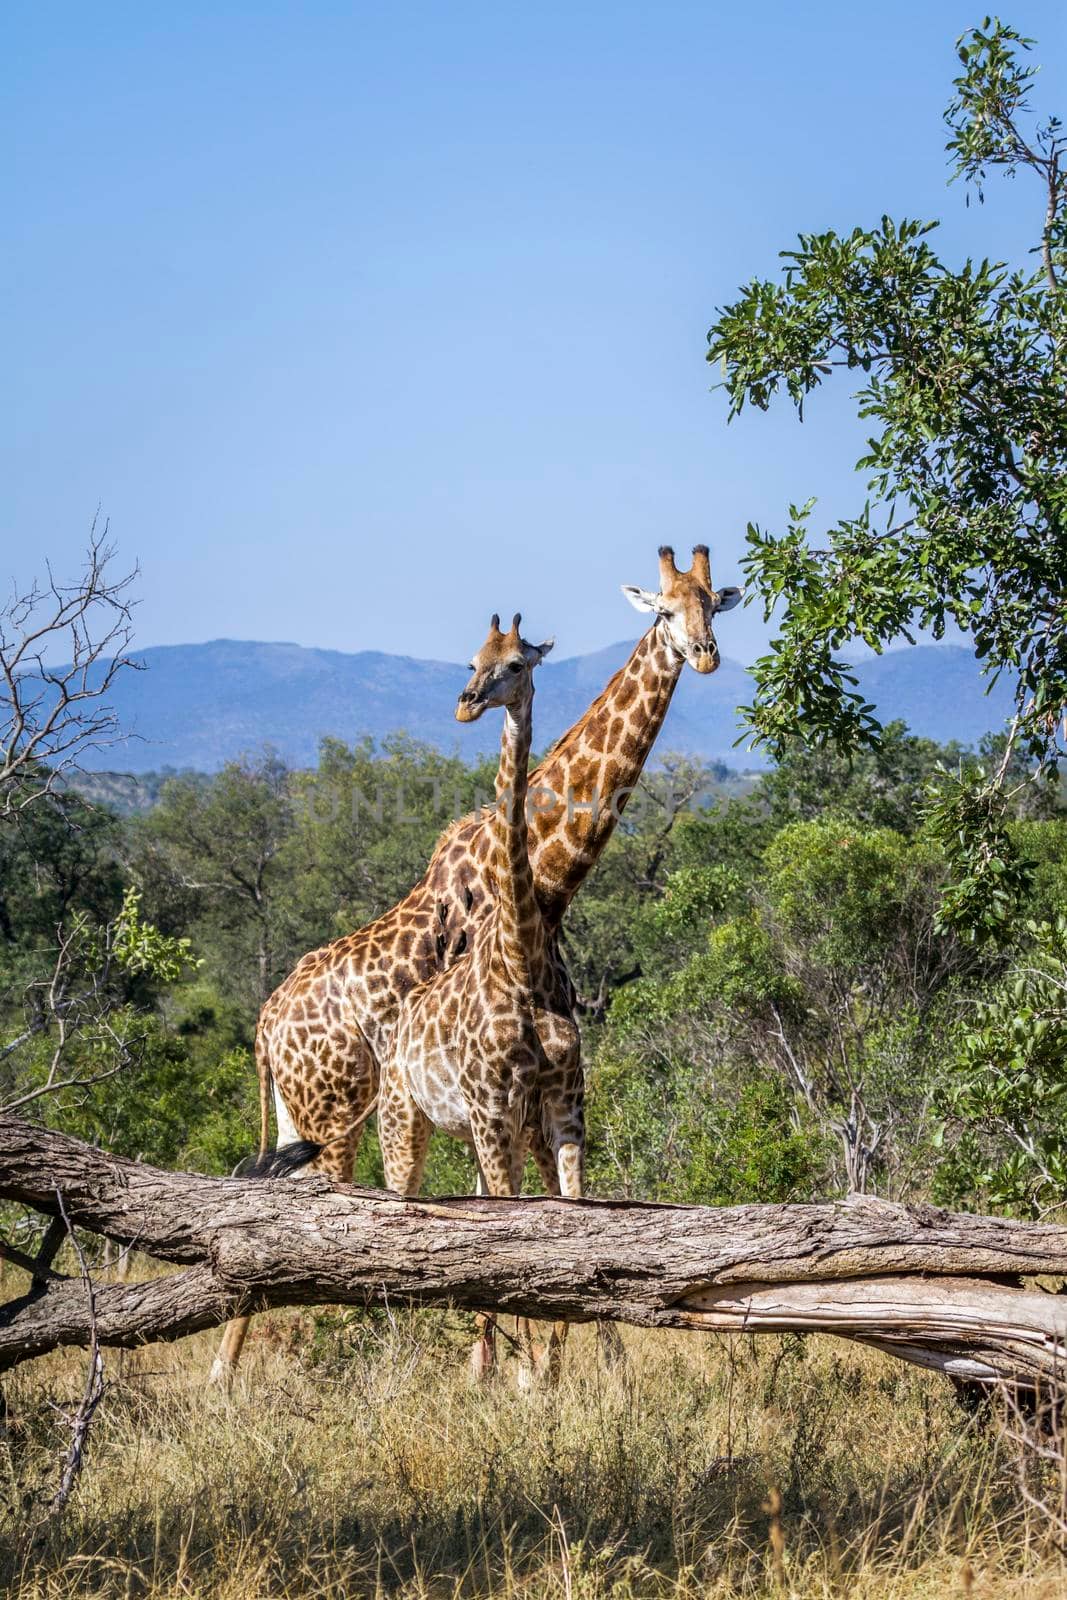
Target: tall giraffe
point(326, 1029)
point(489, 1050)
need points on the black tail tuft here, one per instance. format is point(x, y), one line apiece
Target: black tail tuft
point(284, 1162)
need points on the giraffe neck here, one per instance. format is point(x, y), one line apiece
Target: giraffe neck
point(592, 768)
point(519, 920)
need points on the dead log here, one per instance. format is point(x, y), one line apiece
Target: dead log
point(933, 1287)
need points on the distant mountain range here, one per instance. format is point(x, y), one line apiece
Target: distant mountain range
point(199, 705)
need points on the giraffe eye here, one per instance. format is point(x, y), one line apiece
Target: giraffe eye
point(515, 666)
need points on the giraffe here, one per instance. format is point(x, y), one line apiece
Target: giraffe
point(327, 1027)
point(489, 1049)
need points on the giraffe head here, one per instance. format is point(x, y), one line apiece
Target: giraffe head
point(501, 670)
point(686, 604)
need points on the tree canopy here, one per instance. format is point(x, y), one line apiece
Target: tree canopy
point(961, 370)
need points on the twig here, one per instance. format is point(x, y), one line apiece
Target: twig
point(64, 1083)
point(54, 1235)
point(1009, 746)
point(39, 1271)
point(50, 716)
point(93, 1392)
point(1052, 174)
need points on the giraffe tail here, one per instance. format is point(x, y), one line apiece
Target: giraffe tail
point(290, 1158)
point(282, 1163)
point(263, 1073)
point(523, 1083)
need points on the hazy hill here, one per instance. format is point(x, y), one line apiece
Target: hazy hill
point(198, 705)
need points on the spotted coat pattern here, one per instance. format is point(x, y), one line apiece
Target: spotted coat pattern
point(489, 1049)
point(324, 1032)
point(326, 1029)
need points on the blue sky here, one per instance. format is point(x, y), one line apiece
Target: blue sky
point(362, 321)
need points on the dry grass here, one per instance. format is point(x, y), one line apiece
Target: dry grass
point(355, 1459)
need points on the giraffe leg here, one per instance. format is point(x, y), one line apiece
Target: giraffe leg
point(224, 1366)
point(570, 1163)
point(505, 1169)
point(499, 1173)
point(228, 1354)
point(530, 1352)
point(404, 1135)
point(336, 1160)
point(483, 1353)
point(570, 1171)
point(571, 1166)
point(539, 1353)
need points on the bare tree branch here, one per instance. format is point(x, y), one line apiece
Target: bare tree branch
point(82, 1009)
point(50, 715)
point(928, 1286)
point(92, 1394)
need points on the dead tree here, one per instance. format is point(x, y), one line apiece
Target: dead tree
point(51, 716)
point(942, 1290)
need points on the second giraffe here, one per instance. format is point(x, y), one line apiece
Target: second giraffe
point(489, 1051)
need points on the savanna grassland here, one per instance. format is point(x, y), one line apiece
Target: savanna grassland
point(751, 960)
point(355, 1458)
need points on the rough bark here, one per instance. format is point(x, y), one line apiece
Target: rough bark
point(940, 1289)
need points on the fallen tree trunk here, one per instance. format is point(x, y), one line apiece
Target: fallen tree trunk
point(940, 1289)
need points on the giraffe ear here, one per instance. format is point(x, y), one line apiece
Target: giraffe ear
point(640, 599)
point(536, 653)
point(728, 598)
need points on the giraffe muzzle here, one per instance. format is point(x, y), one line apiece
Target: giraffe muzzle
point(469, 708)
point(705, 661)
